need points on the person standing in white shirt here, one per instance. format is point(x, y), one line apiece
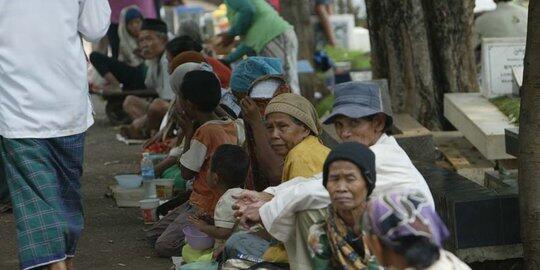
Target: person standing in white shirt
point(44, 113)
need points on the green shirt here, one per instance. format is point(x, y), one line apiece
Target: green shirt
point(256, 22)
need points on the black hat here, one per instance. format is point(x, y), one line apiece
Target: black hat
point(358, 154)
point(154, 25)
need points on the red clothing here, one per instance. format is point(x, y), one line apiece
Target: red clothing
point(275, 4)
point(221, 70)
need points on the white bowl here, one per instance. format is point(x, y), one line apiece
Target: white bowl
point(129, 181)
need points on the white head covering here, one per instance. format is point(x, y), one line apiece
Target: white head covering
point(128, 43)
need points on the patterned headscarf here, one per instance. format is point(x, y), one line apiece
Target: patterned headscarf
point(298, 107)
point(251, 69)
point(396, 215)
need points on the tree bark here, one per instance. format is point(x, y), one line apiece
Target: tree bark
point(529, 143)
point(298, 14)
point(424, 49)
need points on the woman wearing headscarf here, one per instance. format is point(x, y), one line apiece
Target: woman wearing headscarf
point(263, 32)
point(129, 70)
point(254, 82)
point(404, 232)
point(293, 127)
point(349, 176)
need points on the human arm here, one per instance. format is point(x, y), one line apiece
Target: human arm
point(245, 13)
point(324, 18)
point(194, 151)
point(238, 53)
point(278, 215)
point(164, 165)
point(270, 163)
point(94, 19)
point(211, 230)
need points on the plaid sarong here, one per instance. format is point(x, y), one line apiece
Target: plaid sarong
point(43, 179)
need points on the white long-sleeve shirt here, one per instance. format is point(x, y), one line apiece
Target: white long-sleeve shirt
point(395, 172)
point(43, 81)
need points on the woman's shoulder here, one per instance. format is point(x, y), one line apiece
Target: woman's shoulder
point(307, 148)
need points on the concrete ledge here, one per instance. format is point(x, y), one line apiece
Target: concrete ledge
point(481, 122)
point(495, 253)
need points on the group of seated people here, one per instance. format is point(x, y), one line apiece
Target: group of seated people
point(253, 171)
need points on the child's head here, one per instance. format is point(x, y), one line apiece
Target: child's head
point(200, 92)
point(229, 167)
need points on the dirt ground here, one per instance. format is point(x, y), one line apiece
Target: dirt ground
point(113, 237)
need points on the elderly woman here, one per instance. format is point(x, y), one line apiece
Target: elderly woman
point(293, 127)
point(255, 81)
point(404, 232)
point(349, 177)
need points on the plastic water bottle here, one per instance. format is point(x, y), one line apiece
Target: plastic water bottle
point(147, 168)
point(148, 175)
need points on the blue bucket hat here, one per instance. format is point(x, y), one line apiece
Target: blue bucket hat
point(252, 68)
point(356, 100)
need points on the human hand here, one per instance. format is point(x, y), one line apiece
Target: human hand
point(250, 110)
point(248, 214)
point(247, 207)
point(217, 252)
point(249, 197)
point(226, 40)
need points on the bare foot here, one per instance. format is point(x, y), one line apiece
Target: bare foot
point(58, 266)
point(69, 264)
point(130, 132)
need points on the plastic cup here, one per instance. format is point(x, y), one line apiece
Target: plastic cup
point(164, 188)
point(148, 210)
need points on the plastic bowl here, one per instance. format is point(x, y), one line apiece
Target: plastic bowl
point(129, 181)
point(197, 239)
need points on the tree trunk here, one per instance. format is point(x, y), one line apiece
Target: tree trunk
point(424, 49)
point(529, 143)
point(298, 13)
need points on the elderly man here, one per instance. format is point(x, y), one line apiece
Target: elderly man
point(44, 114)
point(357, 115)
point(147, 115)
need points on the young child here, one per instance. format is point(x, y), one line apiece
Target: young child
point(227, 174)
point(198, 97)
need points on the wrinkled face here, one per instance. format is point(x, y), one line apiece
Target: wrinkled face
point(134, 27)
point(346, 186)
point(284, 132)
point(360, 130)
point(152, 44)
